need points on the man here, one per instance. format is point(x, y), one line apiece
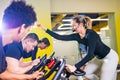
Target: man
point(42, 44)
point(15, 52)
point(17, 21)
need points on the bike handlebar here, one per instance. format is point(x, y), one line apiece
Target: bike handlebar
point(38, 66)
point(78, 73)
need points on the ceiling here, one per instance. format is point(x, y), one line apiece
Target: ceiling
point(98, 19)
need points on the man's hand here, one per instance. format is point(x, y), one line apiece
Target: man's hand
point(35, 62)
point(37, 75)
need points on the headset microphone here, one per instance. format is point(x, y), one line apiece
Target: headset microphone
point(73, 30)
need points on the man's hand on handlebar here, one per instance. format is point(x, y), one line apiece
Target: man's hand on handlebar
point(35, 62)
point(37, 75)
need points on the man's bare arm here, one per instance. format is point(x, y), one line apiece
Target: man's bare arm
point(6, 75)
point(14, 66)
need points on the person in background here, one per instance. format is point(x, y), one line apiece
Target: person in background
point(15, 52)
point(17, 20)
point(96, 48)
point(42, 44)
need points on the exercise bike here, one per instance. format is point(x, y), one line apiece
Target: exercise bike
point(56, 66)
point(60, 71)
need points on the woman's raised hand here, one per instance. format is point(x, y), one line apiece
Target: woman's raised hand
point(42, 27)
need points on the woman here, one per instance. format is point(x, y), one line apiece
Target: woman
point(96, 48)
